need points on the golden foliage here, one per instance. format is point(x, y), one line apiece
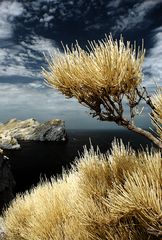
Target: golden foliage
point(156, 100)
point(112, 196)
point(107, 67)
point(106, 78)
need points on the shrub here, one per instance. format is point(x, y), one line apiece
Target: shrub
point(104, 78)
point(116, 195)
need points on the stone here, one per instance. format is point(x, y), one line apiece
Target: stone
point(8, 142)
point(14, 130)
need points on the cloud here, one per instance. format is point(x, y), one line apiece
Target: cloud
point(35, 100)
point(134, 16)
point(153, 64)
point(114, 3)
point(26, 100)
point(9, 10)
point(13, 61)
point(39, 44)
point(26, 58)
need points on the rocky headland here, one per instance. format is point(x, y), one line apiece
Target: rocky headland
point(31, 130)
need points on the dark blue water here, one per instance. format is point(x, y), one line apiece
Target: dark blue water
point(37, 160)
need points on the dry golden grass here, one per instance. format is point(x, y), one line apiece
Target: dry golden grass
point(108, 67)
point(113, 196)
point(157, 112)
point(157, 102)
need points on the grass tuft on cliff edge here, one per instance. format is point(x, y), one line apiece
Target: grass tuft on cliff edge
point(117, 195)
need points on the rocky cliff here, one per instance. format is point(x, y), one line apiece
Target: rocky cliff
point(14, 130)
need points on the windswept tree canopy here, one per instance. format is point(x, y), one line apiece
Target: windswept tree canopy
point(104, 78)
point(108, 67)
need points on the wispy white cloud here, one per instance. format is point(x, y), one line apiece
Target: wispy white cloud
point(135, 15)
point(114, 3)
point(39, 44)
point(8, 11)
point(35, 100)
point(153, 63)
point(13, 62)
point(20, 59)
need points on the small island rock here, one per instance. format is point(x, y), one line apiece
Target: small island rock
point(14, 130)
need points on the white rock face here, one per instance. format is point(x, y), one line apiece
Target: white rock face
point(8, 142)
point(32, 130)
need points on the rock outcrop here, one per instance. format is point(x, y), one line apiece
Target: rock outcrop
point(14, 130)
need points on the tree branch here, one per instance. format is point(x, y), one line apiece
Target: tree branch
point(141, 131)
point(146, 99)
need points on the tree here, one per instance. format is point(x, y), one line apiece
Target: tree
point(104, 78)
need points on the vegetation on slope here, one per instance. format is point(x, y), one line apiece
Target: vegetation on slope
point(116, 195)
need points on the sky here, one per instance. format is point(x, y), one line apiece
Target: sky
point(29, 29)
